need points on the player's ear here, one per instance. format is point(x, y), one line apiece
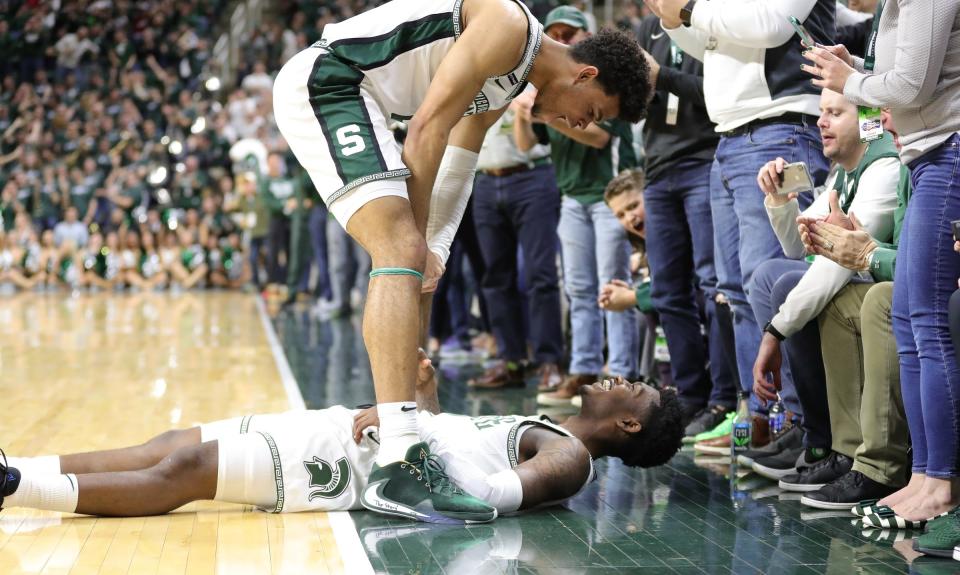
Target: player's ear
point(629, 424)
point(586, 73)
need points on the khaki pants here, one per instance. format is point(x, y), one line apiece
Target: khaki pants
point(863, 382)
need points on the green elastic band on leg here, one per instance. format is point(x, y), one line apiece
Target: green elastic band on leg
point(395, 272)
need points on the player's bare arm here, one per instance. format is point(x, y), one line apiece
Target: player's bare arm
point(557, 471)
point(492, 44)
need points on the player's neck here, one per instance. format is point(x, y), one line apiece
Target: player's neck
point(551, 63)
point(589, 432)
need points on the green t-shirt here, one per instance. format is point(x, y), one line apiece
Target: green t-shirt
point(583, 171)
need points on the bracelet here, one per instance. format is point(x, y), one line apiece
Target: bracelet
point(773, 331)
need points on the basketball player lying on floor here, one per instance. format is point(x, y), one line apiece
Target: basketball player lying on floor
point(319, 460)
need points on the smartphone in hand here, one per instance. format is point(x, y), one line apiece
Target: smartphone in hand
point(795, 178)
point(805, 37)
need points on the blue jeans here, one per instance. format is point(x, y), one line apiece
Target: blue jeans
point(926, 276)
point(349, 265)
point(681, 260)
point(595, 251)
point(742, 235)
point(521, 210)
point(801, 373)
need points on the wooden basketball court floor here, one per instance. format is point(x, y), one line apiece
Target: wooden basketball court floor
point(97, 371)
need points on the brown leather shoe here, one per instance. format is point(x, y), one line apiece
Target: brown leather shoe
point(550, 377)
point(569, 389)
point(505, 374)
point(716, 446)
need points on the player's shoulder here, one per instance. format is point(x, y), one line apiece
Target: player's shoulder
point(510, 17)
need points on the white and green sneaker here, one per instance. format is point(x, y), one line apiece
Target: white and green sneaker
point(419, 488)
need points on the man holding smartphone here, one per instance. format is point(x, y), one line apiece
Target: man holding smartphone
point(764, 106)
point(788, 294)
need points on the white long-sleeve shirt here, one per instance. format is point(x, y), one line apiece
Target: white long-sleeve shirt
point(751, 56)
point(873, 205)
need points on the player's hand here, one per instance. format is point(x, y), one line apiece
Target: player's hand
point(432, 273)
point(770, 180)
point(365, 418)
point(426, 373)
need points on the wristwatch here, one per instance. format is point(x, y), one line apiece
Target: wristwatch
point(773, 331)
point(687, 12)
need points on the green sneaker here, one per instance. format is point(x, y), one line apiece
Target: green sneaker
point(419, 488)
point(940, 542)
point(725, 428)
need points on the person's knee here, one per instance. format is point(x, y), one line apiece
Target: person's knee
point(191, 464)
point(385, 228)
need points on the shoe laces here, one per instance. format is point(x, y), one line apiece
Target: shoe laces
point(431, 470)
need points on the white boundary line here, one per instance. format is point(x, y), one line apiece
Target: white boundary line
point(352, 553)
point(294, 397)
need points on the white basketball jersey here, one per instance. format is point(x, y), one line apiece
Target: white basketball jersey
point(474, 447)
point(398, 46)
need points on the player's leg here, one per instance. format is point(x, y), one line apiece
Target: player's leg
point(188, 474)
point(130, 458)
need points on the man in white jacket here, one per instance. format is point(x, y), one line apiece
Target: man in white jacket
point(790, 293)
point(764, 106)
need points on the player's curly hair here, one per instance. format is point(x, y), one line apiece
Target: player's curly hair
point(661, 438)
point(623, 70)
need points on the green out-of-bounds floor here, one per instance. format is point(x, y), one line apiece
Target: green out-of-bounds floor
point(691, 516)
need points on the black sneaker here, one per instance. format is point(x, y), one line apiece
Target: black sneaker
point(830, 468)
point(9, 479)
point(706, 420)
point(789, 439)
point(845, 492)
point(788, 461)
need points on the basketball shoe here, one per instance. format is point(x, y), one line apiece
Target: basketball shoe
point(9, 479)
point(419, 488)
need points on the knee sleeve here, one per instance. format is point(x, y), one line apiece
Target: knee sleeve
point(451, 192)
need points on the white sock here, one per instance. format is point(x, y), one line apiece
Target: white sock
point(43, 465)
point(398, 430)
point(49, 492)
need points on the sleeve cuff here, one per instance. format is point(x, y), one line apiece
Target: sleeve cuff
point(851, 90)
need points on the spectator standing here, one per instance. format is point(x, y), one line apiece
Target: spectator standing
point(764, 106)
point(680, 143)
point(594, 244)
point(516, 204)
point(280, 193)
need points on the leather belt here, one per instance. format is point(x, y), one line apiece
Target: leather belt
point(795, 118)
point(515, 169)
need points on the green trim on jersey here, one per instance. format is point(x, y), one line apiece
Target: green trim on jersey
point(376, 51)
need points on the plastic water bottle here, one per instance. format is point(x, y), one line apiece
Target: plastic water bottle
point(661, 352)
point(742, 426)
point(777, 418)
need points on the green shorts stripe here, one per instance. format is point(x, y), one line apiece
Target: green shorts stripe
point(334, 90)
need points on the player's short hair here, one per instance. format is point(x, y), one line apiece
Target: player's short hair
point(661, 437)
point(624, 182)
point(623, 71)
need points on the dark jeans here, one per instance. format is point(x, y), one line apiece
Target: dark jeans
point(256, 247)
point(521, 209)
point(681, 260)
point(317, 227)
point(743, 236)
point(926, 276)
point(451, 308)
point(801, 374)
point(278, 240)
